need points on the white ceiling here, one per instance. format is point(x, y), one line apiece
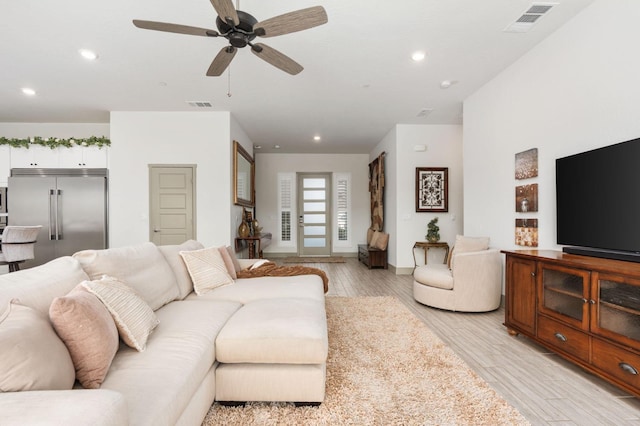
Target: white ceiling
point(358, 82)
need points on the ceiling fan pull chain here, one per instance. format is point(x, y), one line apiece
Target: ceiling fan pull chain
point(229, 84)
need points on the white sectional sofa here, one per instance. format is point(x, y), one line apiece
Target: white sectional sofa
point(257, 339)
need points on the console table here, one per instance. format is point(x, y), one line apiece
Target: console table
point(255, 244)
point(424, 245)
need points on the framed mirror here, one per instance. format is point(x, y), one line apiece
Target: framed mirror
point(244, 177)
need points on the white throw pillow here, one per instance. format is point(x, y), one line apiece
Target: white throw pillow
point(32, 357)
point(467, 244)
point(464, 244)
point(207, 269)
point(258, 264)
point(134, 318)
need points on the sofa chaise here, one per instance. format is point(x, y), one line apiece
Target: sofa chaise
point(257, 339)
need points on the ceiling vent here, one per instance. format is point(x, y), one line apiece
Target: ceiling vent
point(529, 18)
point(200, 104)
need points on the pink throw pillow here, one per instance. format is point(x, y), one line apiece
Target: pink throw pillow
point(87, 329)
point(228, 262)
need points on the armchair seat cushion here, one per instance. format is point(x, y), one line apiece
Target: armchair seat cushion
point(438, 275)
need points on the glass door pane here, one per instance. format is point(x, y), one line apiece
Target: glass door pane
point(619, 308)
point(314, 214)
point(564, 294)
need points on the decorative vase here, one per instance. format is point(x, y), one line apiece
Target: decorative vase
point(433, 238)
point(257, 229)
point(243, 230)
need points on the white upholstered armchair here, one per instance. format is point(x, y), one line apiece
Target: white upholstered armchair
point(472, 283)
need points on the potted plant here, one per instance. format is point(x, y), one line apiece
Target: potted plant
point(433, 231)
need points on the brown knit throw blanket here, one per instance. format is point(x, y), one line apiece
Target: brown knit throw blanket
point(270, 269)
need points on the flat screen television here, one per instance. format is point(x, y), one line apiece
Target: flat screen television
point(598, 202)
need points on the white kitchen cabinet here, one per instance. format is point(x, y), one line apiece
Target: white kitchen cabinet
point(83, 157)
point(34, 157)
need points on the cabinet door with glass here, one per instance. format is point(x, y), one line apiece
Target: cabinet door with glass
point(616, 308)
point(563, 293)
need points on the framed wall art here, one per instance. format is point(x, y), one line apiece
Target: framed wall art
point(527, 232)
point(432, 189)
point(527, 198)
point(527, 164)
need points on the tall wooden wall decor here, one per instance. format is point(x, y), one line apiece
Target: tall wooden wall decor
point(376, 188)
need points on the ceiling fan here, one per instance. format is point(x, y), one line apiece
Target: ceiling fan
point(240, 28)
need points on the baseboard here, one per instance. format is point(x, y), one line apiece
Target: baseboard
point(401, 270)
point(279, 255)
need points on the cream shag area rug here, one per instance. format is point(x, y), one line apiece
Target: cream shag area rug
point(385, 367)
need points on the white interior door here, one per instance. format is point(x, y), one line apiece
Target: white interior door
point(314, 214)
point(171, 204)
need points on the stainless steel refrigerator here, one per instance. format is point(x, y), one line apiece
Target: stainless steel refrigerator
point(70, 204)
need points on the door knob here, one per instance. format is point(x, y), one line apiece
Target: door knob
point(156, 230)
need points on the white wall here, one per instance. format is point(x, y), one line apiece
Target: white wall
point(237, 134)
point(269, 165)
point(444, 149)
point(142, 138)
point(61, 130)
point(402, 222)
point(577, 90)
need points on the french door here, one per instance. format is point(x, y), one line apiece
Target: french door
point(314, 218)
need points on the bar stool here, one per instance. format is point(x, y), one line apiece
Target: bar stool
point(17, 245)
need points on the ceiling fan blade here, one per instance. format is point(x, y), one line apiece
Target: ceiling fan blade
point(221, 61)
point(174, 28)
point(275, 58)
point(291, 22)
point(225, 9)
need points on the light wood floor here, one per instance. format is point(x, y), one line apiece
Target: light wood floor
point(544, 388)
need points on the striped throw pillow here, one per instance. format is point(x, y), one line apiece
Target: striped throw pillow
point(207, 269)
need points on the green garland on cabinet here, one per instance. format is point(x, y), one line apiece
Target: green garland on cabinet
point(54, 143)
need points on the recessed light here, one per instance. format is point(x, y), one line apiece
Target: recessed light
point(317, 138)
point(257, 147)
point(445, 84)
point(276, 146)
point(28, 91)
point(418, 56)
point(89, 55)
